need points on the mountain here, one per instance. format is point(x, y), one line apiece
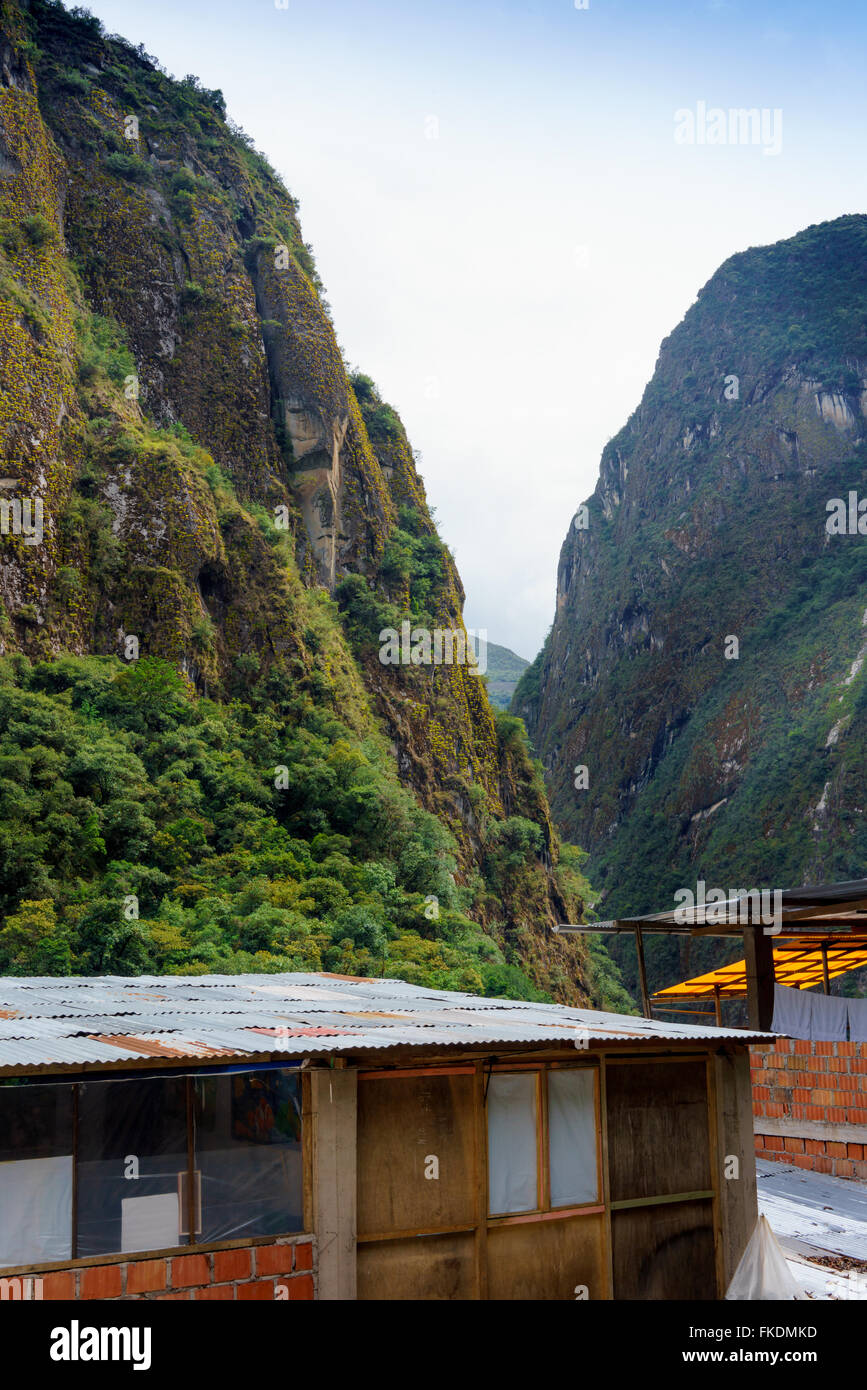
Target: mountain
point(208, 759)
point(504, 670)
point(699, 704)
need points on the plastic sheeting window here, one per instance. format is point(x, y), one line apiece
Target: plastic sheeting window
point(572, 1136)
point(132, 1164)
point(513, 1182)
point(248, 1155)
point(36, 1142)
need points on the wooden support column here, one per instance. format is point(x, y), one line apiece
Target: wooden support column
point(716, 1007)
point(333, 1122)
point(826, 977)
point(642, 973)
point(759, 955)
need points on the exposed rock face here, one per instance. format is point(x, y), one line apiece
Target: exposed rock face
point(705, 664)
point(171, 388)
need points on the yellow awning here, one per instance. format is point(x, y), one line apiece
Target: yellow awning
point(799, 967)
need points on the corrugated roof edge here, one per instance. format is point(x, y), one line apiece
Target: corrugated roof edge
point(313, 1014)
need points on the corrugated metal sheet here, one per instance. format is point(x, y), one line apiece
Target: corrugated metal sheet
point(49, 1022)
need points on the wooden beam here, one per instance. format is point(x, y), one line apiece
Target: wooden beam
point(716, 1006)
point(642, 973)
point(825, 976)
point(759, 956)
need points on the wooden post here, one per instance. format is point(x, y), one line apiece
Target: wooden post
point(333, 1105)
point(759, 954)
point(716, 1006)
point(826, 976)
point(642, 973)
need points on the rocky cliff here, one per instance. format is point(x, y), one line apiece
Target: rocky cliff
point(214, 493)
point(699, 705)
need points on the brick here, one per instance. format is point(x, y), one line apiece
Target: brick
point(844, 1169)
point(824, 1049)
point(794, 1146)
point(186, 1295)
point(274, 1259)
point(231, 1264)
point(62, 1284)
point(774, 1109)
point(860, 1168)
point(814, 1146)
point(190, 1269)
point(846, 1049)
point(800, 1095)
point(100, 1281)
point(798, 1064)
point(145, 1276)
point(823, 1165)
point(304, 1256)
point(805, 1161)
point(837, 1064)
point(214, 1293)
point(812, 1112)
point(824, 1097)
point(854, 1150)
point(775, 1141)
point(301, 1287)
point(257, 1289)
point(837, 1115)
point(836, 1150)
point(857, 1117)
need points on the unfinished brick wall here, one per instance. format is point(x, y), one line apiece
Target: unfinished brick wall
point(285, 1269)
point(810, 1105)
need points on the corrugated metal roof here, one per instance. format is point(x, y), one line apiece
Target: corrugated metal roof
point(82, 1021)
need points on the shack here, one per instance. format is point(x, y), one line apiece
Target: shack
point(301, 1136)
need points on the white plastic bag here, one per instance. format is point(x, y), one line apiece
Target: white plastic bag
point(763, 1274)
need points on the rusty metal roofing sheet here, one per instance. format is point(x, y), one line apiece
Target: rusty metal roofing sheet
point(77, 1022)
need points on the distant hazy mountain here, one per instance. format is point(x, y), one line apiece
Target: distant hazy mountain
point(505, 669)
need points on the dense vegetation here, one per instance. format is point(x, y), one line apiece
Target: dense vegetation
point(144, 830)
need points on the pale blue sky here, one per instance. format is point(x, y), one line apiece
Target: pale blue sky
point(508, 282)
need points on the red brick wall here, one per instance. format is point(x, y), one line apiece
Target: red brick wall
point(804, 1084)
point(285, 1269)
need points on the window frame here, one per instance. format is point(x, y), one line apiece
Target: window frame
point(544, 1207)
point(189, 1187)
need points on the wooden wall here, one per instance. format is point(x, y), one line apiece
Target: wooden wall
point(661, 1229)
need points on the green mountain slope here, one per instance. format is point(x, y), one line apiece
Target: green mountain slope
point(504, 670)
point(220, 500)
point(741, 763)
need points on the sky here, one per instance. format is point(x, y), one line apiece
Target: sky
point(512, 204)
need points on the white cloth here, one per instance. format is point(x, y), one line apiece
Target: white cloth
point(828, 1020)
point(763, 1274)
point(793, 1010)
point(512, 1153)
point(35, 1210)
point(857, 1010)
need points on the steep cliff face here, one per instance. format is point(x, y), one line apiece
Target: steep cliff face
point(173, 400)
point(699, 703)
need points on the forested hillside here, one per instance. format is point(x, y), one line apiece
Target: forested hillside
point(205, 763)
point(699, 705)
